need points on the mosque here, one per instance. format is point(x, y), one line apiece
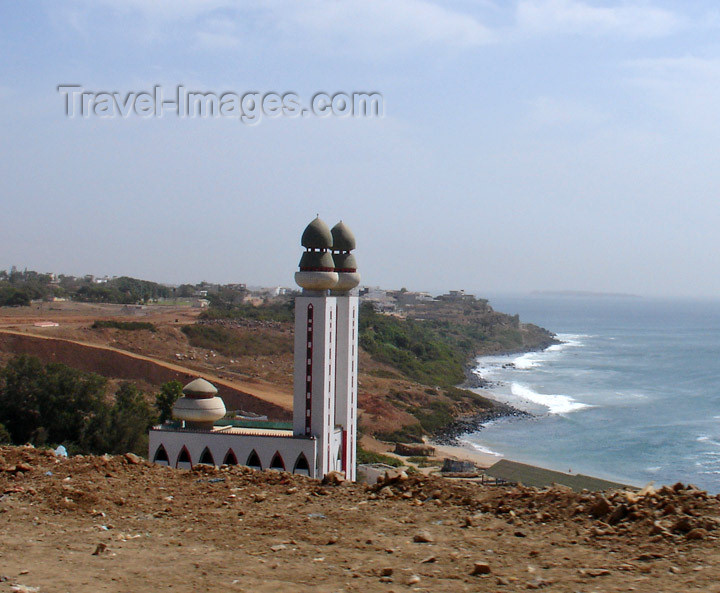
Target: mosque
point(324, 431)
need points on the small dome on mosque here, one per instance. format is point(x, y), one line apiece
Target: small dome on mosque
point(343, 238)
point(199, 389)
point(317, 235)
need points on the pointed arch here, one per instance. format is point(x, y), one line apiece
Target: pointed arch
point(301, 465)
point(253, 460)
point(230, 458)
point(277, 462)
point(206, 457)
point(161, 456)
point(184, 461)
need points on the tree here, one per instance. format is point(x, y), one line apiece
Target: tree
point(130, 419)
point(52, 404)
point(169, 394)
point(5, 438)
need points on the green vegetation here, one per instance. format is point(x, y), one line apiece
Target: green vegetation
point(19, 288)
point(170, 392)
point(52, 404)
point(364, 456)
point(125, 325)
point(415, 348)
point(231, 342)
point(282, 311)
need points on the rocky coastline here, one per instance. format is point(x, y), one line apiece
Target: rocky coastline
point(470, 423)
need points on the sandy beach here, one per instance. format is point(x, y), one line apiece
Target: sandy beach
point(481, 459)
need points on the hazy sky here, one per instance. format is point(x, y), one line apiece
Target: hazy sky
point(532, 144)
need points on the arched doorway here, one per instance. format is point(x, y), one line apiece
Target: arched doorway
point(277, 462)
point(253, 460)
point(184, 461)
point(301, 465)
point(206, 457)
point(161, 456)
point(230, 458)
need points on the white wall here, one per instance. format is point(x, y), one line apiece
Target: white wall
point(219, 444)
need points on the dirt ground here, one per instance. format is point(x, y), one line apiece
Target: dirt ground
point(92, 524)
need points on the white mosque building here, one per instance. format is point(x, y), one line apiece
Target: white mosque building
point(324, 431)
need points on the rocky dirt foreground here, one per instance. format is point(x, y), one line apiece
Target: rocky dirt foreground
point(91, 524)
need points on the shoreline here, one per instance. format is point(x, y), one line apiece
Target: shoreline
point(449, 441)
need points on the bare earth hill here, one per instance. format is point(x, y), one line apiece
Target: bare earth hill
point(92, 524)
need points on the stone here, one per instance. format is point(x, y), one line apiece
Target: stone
point(134, 459)
point(481, 568)
point(386, 572)
point(413, 580)
point(697, 534)
point(600, 508)
point(618, 514)
point(423, 537)
point(334, 478)
point(99, 549)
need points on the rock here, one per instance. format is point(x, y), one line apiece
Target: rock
point(538, 584)
point(519, 533)
point(480, 568)
point(423, 537)
point(386, 579)
point(600, 508)
point(134, 459)
point(99, 549)
point(472, 521)
point(386, 572)
point(618, 514)
point(413, 580)
point(697, 534)
point(334, 478)
point(278, 547)
point(682, 525)
point(597, 572)
point(428, 560)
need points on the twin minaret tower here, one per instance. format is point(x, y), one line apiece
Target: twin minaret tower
point(326, 346)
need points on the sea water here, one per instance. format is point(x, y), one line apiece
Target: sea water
point(632, 394)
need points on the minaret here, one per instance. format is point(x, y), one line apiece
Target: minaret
point(346, 345)
point(315, 323)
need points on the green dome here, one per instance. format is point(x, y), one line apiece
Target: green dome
point(344, 262)
point(343, 239)
point(317, 236)
point(317, 261)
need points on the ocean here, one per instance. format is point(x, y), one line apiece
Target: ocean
point(632, 394)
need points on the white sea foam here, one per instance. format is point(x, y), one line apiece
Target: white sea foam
point(555, 403)
point(481, 448)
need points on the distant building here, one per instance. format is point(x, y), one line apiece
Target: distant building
point(456, 296)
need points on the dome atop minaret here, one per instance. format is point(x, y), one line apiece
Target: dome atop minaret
point(199, 406)
point(317, 268)
point(342, 237)
point(345, 264)
point(317, 235)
